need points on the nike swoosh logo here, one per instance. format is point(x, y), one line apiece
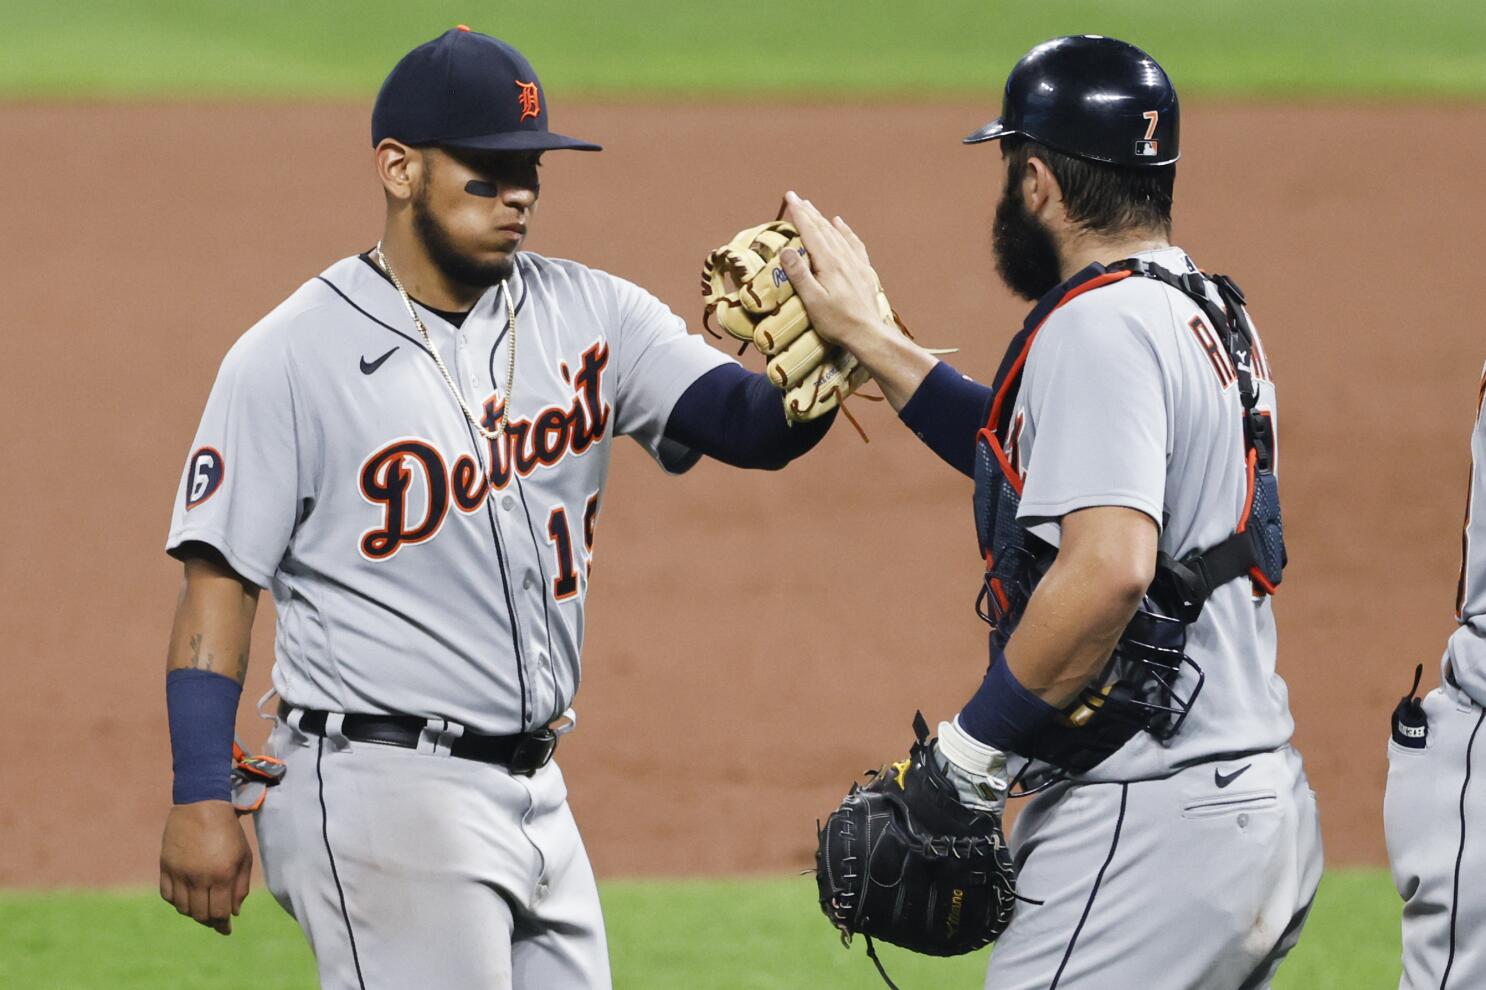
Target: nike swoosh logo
point(1223, 780)
point(367, 367)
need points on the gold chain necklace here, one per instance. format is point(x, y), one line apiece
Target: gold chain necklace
point(505, 413)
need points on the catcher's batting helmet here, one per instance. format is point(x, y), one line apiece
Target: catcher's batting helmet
point(1091, 97)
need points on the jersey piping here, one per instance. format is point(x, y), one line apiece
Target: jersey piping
point(340, 892)
point(500, 555)
point(452, 317)
point(1099, 879)
point(1460, 852)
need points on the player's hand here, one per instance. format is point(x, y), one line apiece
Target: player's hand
point(205, 863)
point(838, 286)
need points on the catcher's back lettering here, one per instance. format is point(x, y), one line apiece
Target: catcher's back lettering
point(1130, 400)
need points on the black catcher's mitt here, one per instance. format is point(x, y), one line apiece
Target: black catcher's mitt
point(902, 859)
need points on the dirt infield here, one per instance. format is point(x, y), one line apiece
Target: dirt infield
point(140, 241)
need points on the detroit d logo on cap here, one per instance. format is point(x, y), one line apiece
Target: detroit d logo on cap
point(529, 98)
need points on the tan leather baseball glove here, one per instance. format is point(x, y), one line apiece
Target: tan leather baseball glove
point(749, 296)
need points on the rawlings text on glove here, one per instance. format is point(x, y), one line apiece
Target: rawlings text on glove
point(746, 290)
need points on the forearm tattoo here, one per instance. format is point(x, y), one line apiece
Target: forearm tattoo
point(237, 670)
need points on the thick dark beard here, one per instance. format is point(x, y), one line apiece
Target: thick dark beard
point(456, 267)
point(1026, 254)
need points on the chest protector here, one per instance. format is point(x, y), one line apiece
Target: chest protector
point(1138, 690)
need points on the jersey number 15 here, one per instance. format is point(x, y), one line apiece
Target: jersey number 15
point(565, 584)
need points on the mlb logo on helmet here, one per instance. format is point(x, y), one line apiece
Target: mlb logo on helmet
point(1096, 98)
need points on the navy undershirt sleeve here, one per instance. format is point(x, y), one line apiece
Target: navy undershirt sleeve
point(946, 412)
point(737, 417)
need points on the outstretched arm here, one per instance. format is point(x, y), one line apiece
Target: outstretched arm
point(205, 862)
point(839, 291)
point(737, 417)
point(946, 413)
point(838, 287)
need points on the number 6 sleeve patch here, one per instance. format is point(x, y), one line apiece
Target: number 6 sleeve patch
point(204, 474)
point(246, 510)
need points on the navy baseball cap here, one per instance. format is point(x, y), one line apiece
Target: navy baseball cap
point(465, 89)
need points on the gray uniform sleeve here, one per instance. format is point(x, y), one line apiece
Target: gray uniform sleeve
point(1095, 402)
point(656, 360)
point(1465, 656)
point(240, 489)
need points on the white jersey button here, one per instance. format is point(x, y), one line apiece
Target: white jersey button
point(508, 503)
point(526, 582)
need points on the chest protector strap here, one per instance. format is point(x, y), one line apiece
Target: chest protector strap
point(1256, 549)
point(1015, 559)
point(1149, 683)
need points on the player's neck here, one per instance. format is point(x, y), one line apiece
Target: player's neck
point(423, 279)
point(1081, 249)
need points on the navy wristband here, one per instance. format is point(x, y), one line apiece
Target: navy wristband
point(1003, 713)
point(202, 707)
point(735, 416)
point(946, 412)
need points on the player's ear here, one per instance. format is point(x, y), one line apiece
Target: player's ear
point(1040, 187)
point(400, 168)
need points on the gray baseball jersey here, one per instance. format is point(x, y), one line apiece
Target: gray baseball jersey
point(1129, 399)
point(1465, 655)
point(1429, 808)
point(414, 566)
point(1192, 864)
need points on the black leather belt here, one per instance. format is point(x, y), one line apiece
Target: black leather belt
point(522, 754)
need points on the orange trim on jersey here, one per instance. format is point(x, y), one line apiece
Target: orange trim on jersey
point(561, 539)
point(1012, 478)
point(385, 543)
point(1009, 385)
point(1014, 375)
point(191, 470)
point(1217, 356)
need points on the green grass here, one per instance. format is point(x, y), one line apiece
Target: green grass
point(1280, 49)
point(664, 935)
